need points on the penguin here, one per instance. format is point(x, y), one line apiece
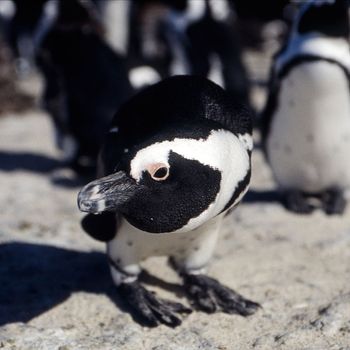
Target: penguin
point(306, 121)
point(181, 37)
point(175, 161)
point(85, 80)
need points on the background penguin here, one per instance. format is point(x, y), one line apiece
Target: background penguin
point(190, 37)
point(176, 159)
point(86, 80)
point(307, 116)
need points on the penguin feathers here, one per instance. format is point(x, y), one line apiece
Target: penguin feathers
point(306, 121)
point(177, 157)
point(321, 16)
point(319, 32)
point(183, 147)
point(180, 106)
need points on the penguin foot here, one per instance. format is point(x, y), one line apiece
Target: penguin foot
point(150, 310)
point(208, 295)
point(333, 202)
point(297, 202)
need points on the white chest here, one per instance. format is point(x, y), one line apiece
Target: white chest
point(309, 141)
point(194, 248)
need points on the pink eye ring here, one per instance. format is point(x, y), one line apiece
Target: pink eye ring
point(159, 171)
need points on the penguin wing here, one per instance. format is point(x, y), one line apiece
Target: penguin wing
point(102, 227)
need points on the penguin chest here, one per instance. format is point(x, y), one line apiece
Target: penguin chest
point(309, 141)
point(131, 245)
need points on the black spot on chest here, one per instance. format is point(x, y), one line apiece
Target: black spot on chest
point(272, 104)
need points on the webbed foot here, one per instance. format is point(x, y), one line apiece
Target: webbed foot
point(208, 295)
point(152, 311)
point(333, 202)
point(297, 202)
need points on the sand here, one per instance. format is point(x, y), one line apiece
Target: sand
point(56, 291)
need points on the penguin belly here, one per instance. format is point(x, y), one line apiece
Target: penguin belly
point(308, 145)
point(131, 245)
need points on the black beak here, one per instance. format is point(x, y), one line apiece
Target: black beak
point(108, 193)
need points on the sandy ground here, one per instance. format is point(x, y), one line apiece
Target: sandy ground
point(56, 292)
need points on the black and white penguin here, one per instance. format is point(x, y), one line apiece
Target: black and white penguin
point(307, 116)
point(189, 37)
point(176, 159)
point(86, 79)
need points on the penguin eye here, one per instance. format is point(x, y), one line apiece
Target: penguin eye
point(158, 172)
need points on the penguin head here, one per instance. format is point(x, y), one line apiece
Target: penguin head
point(177, 155)
point(176, 184)
point(320, 30)
point(325, 17)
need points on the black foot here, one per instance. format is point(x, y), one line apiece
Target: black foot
point(297, 202)
point(333, 202)
point(208, 295)
point(150, 310)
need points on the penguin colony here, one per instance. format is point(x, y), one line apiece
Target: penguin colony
point(94, 55)
point(176, 159)
point(307, 116)
point(85, 80)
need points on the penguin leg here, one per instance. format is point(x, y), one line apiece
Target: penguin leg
point(297, 201)
point(147, 309)
point(333, 202)
point(206, 293)
point(150, 310)
point(209, 295)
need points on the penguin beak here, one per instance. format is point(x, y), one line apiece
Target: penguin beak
point(108, 193)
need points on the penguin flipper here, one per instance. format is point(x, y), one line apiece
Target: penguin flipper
point(102, 227)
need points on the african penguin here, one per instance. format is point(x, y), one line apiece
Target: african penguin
point(307, 116)
point(187, 37)
point(86, 80)
point(176, 159)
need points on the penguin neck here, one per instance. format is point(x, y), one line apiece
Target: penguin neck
point(210, 225)
point(314, 44)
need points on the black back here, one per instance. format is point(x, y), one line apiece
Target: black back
point(180, 106)
point(330, 19)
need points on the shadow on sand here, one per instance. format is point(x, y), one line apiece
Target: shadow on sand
point(39, 163)
point(11, 161)
point(35, 278)
point(270, 196)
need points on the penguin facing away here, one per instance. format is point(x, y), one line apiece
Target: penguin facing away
point(306, 121)
point(176, 159)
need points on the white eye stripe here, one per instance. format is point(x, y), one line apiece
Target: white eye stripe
point(221, 150)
